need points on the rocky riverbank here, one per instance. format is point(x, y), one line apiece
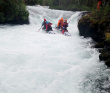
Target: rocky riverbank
point(97, 26)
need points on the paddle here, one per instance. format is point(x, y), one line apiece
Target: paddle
point(39, 29)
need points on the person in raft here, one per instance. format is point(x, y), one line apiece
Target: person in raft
point(60, 23)
point(64, 26)
point(44, 24)
point(48, 27)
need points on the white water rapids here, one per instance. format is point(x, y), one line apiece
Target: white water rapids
point(37, 62)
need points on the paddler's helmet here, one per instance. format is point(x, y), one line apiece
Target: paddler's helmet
point(65, 20)
point(44, 19)
point(62, 19)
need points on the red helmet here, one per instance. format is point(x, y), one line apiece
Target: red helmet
point(44, 19)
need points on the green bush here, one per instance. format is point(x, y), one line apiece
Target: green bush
point(2, 17)
point(13, 12)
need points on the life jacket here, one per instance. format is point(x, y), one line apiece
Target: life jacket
point(65, 25)
point(48, 26)
point(60, 22)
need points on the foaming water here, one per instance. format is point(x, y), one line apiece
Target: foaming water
point(37, 62)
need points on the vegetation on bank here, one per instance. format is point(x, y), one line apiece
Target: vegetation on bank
point(13, 12)
point(97, 26)
point(99, 19)
point(75, 5)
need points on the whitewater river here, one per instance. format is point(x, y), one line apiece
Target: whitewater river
point(37, 62)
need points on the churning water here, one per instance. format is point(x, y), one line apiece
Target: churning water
point(37, 62)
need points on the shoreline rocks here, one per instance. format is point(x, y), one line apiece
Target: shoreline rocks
point(98, 28)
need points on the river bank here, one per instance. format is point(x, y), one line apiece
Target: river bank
point(97, 26)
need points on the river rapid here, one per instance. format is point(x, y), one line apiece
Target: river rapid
point(33, 61)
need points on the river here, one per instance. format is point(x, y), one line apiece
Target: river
point(38, 62)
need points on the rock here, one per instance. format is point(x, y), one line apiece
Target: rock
point(100, 45)
point(107, 62)
point(104, 56)
point(97, 26)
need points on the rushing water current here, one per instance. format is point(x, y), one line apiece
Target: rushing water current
point(37, 62)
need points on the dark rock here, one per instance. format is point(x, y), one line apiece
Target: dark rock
point(107, 62)
point(102, 50)
point(97, 26)
point(104, 56)
point(100, 45)
point(84, 13)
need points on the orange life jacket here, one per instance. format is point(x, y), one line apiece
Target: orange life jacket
point(60, 23)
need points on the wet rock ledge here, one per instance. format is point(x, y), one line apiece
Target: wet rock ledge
point(97, 26)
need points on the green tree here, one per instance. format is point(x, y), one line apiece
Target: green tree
point(13, 12)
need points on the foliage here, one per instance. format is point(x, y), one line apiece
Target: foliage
point(101, 17)
point(13, 11)
point(66, 4)
point(33, 2)
point(107, 35)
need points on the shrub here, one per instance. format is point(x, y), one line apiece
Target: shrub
point(13, 12)
point(107, 35)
